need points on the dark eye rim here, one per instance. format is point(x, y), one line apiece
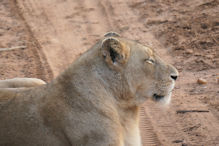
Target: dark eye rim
point(150, 60)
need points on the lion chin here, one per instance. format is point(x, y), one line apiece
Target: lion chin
point(165, 100)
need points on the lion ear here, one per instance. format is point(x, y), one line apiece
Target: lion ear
point(114, 52)
point(111, 34)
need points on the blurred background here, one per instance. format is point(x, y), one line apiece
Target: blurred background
point(40, 38)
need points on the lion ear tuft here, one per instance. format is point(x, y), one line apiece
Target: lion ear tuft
point(112, 34)
point(114, 52)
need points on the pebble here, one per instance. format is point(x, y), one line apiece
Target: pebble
point(201, 81)
point(189, 51)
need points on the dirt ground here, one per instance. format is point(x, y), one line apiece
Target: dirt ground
point(185, 33)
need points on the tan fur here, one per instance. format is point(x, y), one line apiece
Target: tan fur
point(94, 102)
point(21, 82)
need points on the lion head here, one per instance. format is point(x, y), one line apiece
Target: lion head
point(145, 75)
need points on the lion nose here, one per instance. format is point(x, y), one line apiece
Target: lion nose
point(174, 77)
point(173, 72)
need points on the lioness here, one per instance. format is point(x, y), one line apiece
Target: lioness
point(94, 102)
point(21, 82)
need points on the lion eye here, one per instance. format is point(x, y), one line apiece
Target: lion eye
point(151, 61)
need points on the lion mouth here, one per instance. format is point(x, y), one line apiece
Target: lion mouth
point(158, 97)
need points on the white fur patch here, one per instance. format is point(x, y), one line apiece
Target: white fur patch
point(166, 100)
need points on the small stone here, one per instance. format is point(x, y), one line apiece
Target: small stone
point(201, 81)
point(204, 26)
point(189, 51)
point(184, 144)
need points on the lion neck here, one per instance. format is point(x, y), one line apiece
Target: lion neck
point(90, 71)
point(91, 78)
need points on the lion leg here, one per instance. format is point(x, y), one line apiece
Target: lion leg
point(21, 82)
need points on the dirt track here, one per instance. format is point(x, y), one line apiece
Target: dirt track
point(183, 33)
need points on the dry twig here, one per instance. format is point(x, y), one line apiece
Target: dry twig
point(12, 48)
point(190, 111)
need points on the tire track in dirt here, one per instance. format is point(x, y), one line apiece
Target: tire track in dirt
point(23, 62)
point(40, 24)
point(69, 28)
point(43, 68)
point(148, 136)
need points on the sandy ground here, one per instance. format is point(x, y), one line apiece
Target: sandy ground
point(185, 33)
